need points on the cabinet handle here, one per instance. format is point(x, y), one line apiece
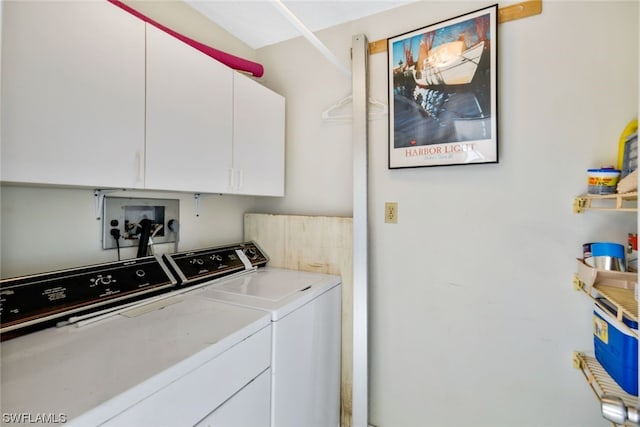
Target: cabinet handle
point(230, 179)
point(240, 179)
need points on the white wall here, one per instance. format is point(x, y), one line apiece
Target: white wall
point(473, 319)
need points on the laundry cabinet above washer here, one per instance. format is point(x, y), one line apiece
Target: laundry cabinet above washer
point(209, 128)
point(95, 97)
point(72, 94)
point(258, 139)
point(189, 117)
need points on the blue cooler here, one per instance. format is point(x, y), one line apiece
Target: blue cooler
point(615, 347)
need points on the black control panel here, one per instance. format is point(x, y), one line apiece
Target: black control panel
point(49, 295)
point(206, 264)
point(33, 302)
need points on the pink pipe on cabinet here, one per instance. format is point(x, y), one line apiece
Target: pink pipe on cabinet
point(232, 61)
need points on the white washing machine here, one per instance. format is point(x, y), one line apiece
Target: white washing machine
point(306, 336)
point(175, 365)
point(121, 344)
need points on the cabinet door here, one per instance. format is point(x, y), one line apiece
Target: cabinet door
point(258, 139)
point(189, 116)
point(72, 94)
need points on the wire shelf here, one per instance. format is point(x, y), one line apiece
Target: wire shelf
point(621, 202)
point(600, 381)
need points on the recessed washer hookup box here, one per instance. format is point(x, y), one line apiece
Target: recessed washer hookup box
point(125, 215)
point(616, 348)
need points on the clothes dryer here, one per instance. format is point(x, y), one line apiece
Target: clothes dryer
point(306, 316)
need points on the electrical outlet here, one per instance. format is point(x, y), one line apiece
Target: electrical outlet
point(391, 212)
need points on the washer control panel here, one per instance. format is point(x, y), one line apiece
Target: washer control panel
point(35, 301)
point(207, 264)
point(45, 296)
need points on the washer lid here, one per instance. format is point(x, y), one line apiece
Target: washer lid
point(279, 291)
point(272, 289)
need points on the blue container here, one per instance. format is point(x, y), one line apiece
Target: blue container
point(615, 250)
point(615, 347)
point(608, 256)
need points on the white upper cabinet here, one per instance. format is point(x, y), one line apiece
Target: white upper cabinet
point(72, 94)
point(189, 117)
point(92, 96)
point(209, 129)
point(258, 139)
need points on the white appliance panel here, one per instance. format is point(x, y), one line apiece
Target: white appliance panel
point(190, 398)
point(306, 364)
point(234, 413)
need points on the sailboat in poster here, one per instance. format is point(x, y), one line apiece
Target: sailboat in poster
point(448, 64)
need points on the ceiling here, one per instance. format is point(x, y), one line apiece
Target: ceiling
point(260, 23)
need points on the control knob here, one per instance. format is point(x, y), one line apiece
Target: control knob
point(251, 253)
point(101, 280)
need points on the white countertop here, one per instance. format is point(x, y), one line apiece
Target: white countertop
point(71, 370)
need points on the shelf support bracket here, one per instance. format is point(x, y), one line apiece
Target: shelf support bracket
point(98, 199)
point(577, 361)
point(578, 285)
point(579, 204)
point(196, 198)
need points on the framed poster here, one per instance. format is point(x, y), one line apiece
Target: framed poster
point(443, 93)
